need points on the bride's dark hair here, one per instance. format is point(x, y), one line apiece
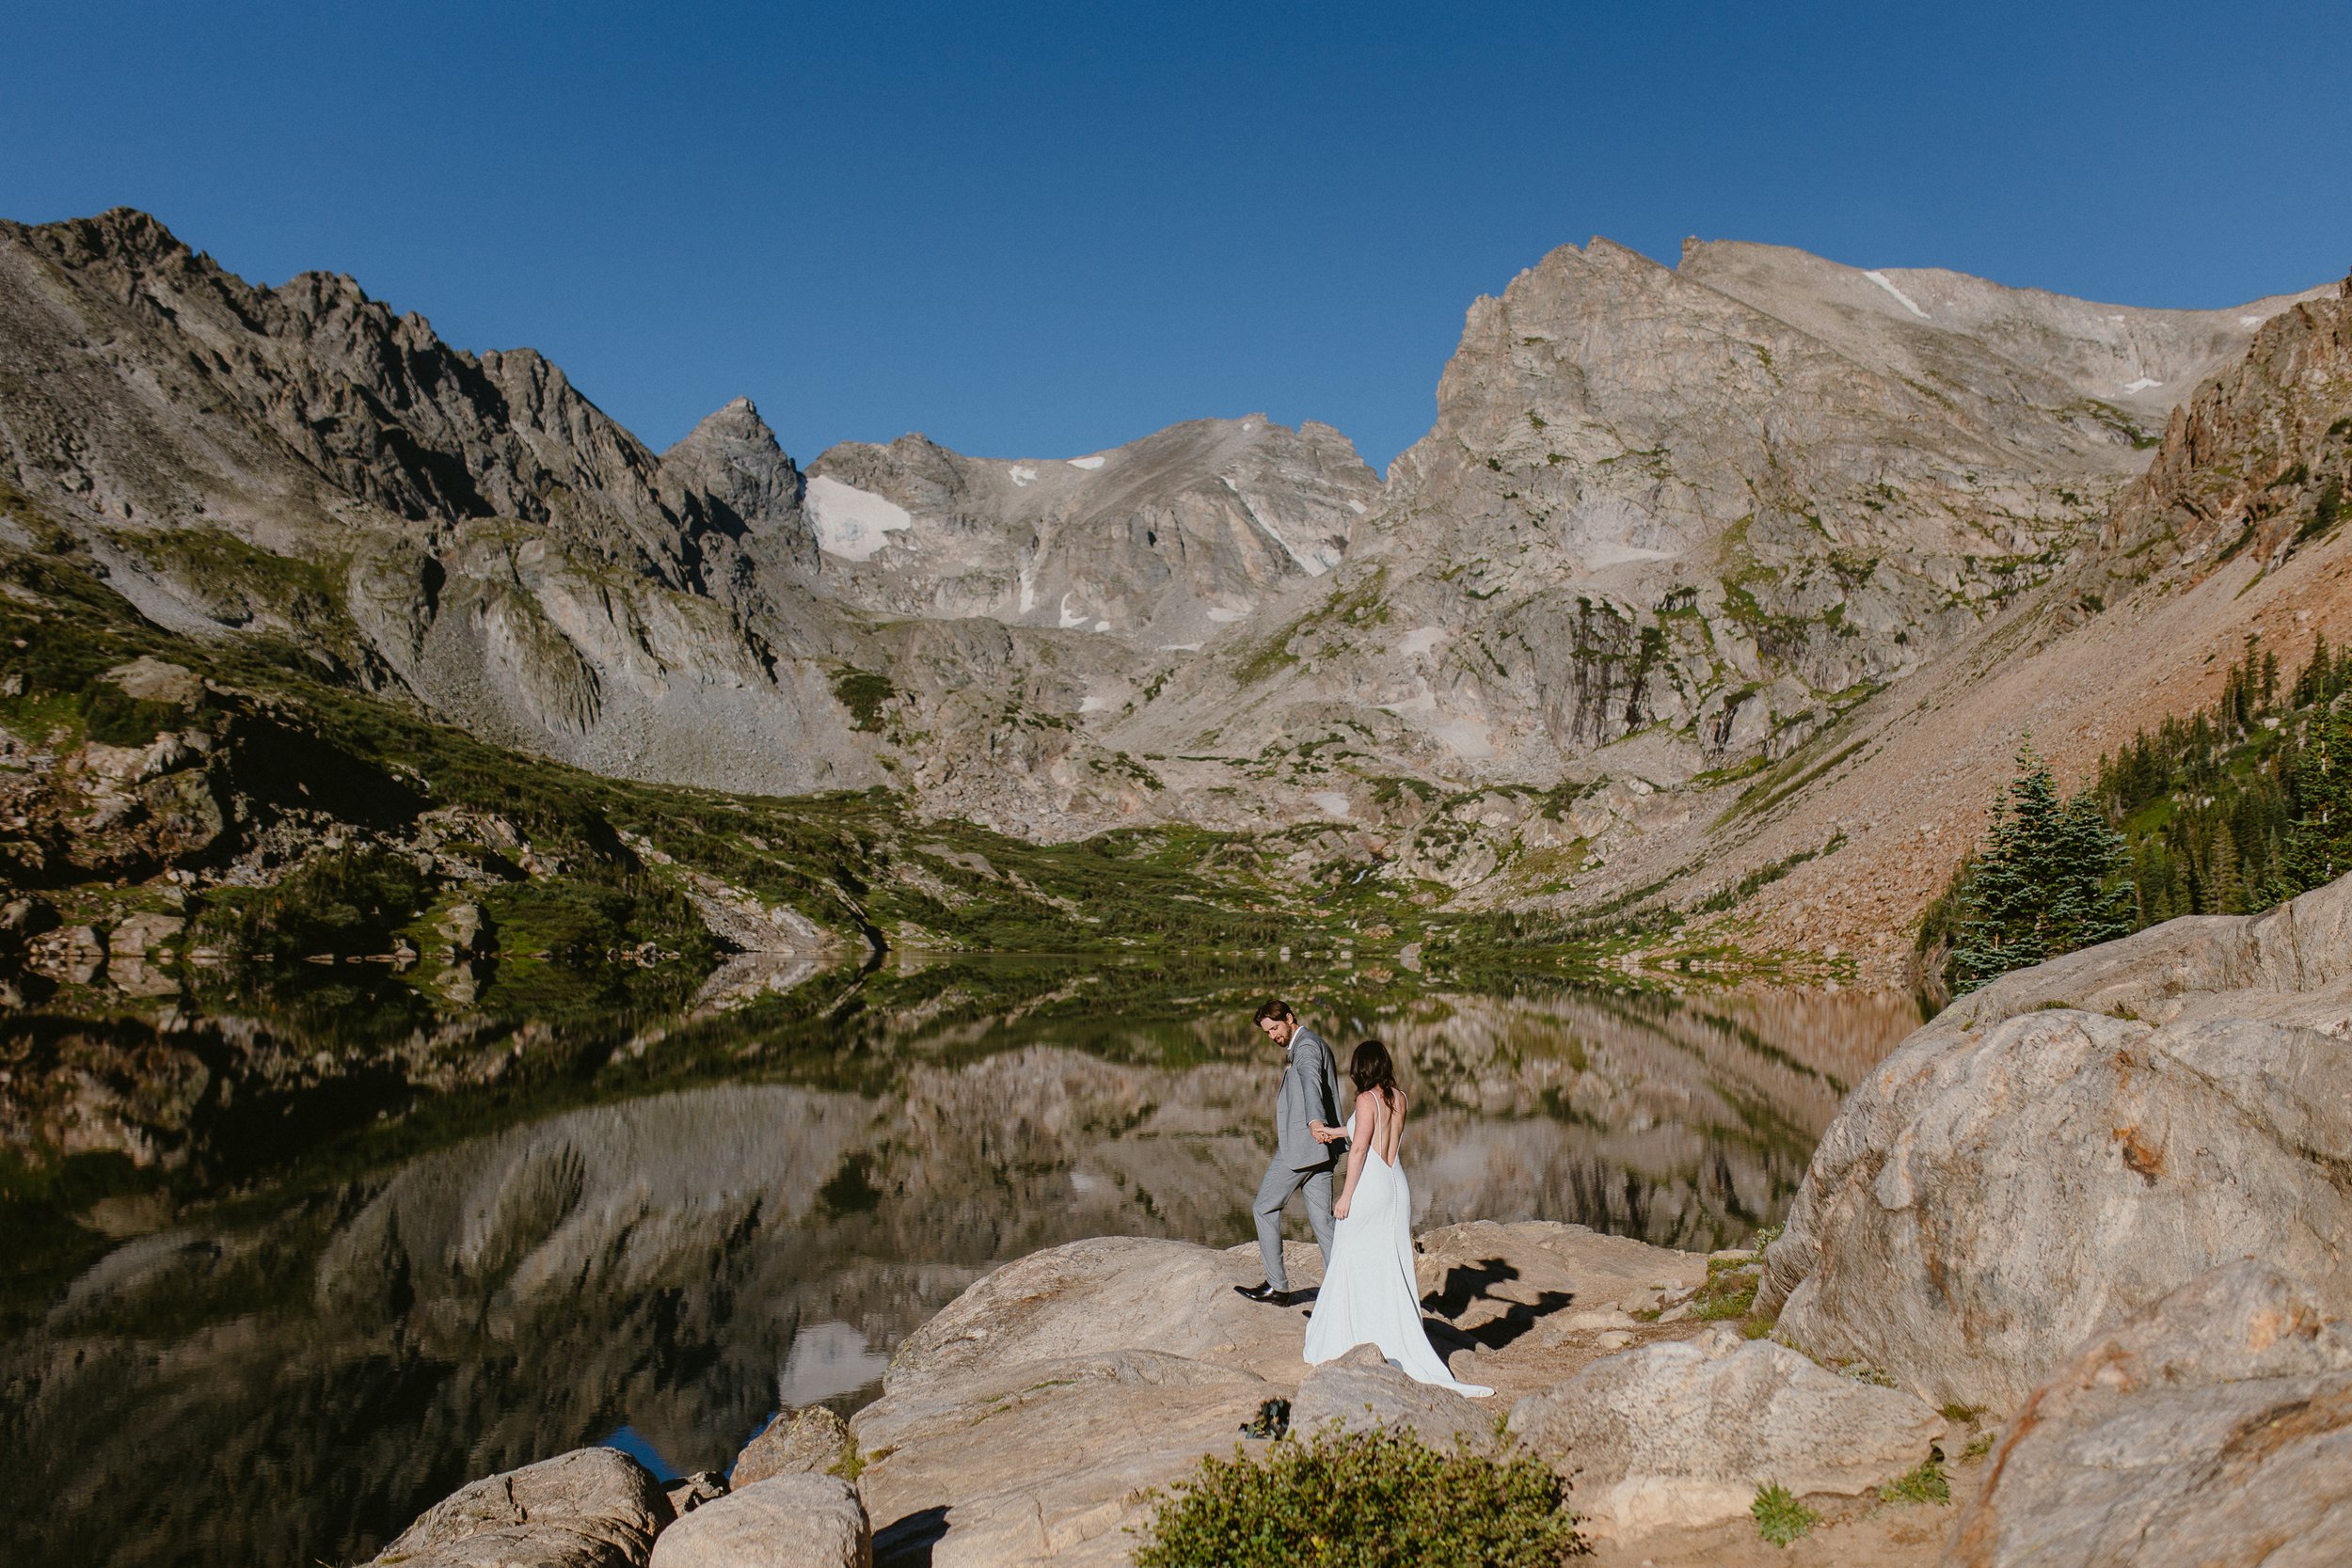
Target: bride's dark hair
point(1373, 1070)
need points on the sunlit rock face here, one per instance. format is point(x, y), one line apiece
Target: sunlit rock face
point(323, 1364)
point(1709, 505)
point(2073, 1141)
point(1691, 513)
point(1163, 542)
point(302, 462)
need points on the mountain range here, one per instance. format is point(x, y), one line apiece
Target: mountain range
point(1729, 585)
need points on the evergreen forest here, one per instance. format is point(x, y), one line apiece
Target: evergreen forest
point(2228, 810)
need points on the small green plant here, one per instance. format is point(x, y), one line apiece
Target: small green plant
point(1928, 1483)
point(1729, 1293)
point(1780, 1519)
point(1366, 1498)
point(1979, 1446)
point(1965, 1414)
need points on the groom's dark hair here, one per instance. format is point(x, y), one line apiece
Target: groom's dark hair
point(1275, 1008)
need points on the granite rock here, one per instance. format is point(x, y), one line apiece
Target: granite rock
point(790, 1521)
point(1684, 1432)
point(2213, 1428)
point(592, 1508)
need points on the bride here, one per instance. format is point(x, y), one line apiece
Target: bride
point(1369, 1295)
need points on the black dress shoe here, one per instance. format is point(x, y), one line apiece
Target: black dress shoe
point(1261, 1293)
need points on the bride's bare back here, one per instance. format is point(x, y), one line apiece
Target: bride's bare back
point(1387, 1121)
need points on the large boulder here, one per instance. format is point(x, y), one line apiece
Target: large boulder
point(136, 952)
point(793, 1521)
point(2076, 1140)
point(2215, 1428)
point(1027, 1419)
point(1682, 1433)
point(1361, 1391)
point(811, 1442)
point(592, 1508)
point(1099, 1297)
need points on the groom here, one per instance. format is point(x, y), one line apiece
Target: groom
point(1310, 1093)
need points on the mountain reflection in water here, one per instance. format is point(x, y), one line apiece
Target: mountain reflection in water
point(287, 1373)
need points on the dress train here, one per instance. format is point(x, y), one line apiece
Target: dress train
point(1369, 1294)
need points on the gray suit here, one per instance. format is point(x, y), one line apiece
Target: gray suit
point(1310, 1092)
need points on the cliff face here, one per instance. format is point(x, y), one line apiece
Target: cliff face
point(2233, 532)
point(157, 389)
point(1711, 507)
point(301, 460)
point(2256, 462)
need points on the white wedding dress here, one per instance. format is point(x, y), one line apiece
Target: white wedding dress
point(1369, 1295)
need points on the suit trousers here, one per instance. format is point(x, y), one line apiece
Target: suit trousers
point(1275, 1192)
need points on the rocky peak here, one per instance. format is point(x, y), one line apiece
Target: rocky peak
point(746, 484)
point(121, 237)
point(2257, 461)
point(1720, 503)
point(375, 408)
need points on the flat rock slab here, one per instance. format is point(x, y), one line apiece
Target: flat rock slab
point(789, 1521)
point(1495, 1282)
point(1049, 1462)
point(1102, 1296)
point(592, 1508)
point(2215, 1428)
point(1683, 1433)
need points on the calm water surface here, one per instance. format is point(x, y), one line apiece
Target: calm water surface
point(706, 1223)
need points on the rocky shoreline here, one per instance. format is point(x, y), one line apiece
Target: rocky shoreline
point(2075, 1249)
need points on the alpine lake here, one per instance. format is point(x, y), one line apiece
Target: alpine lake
point(319, 1310)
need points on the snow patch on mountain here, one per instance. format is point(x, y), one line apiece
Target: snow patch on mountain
point(852, 523)
point(1884, 282)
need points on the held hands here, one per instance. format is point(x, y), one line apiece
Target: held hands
point(1325, 1133)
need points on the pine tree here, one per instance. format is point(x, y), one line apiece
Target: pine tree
point(2222, 883)
point(2319, 842)
point(2311, 685)
point(2052, 878)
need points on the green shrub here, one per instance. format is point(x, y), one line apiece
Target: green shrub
point(864, 693)
point(339, 902)
point(1729, 1293)
point(1926, 1485)
point(1368, 1499)
point(1779, 1517)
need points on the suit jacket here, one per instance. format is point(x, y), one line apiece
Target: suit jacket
point(1310, 1092)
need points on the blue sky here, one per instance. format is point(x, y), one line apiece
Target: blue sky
point(1035, 230)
